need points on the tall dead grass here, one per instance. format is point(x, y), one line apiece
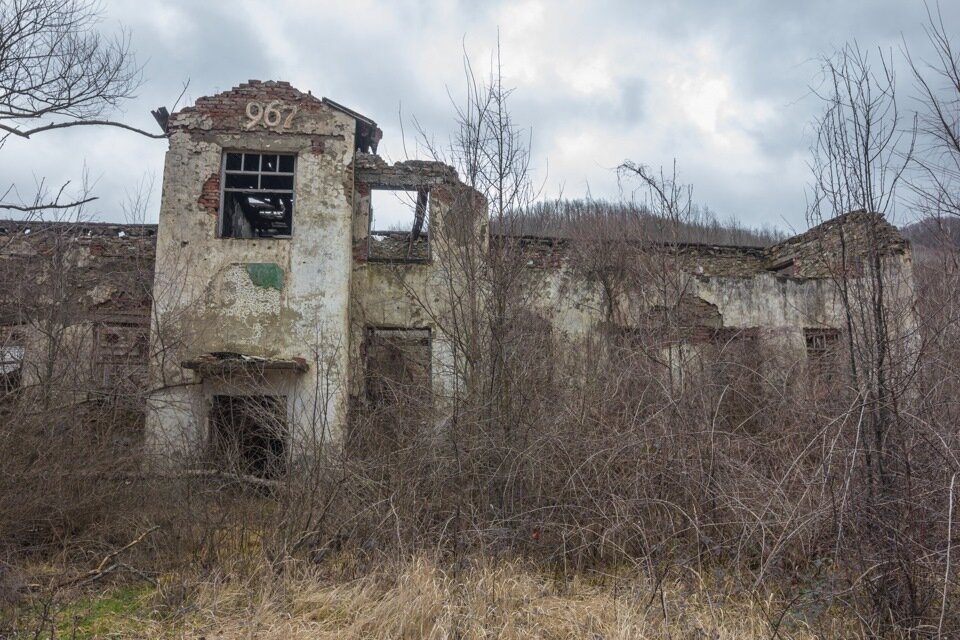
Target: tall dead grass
point(420, 598)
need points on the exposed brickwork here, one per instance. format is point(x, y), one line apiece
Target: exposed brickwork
point(9, 228)
point(94, 271)
point(227, 110)
point(539, 253)
point(373, 172)
point(691, 320)
point(700, 259)
point(396, 246)
point(209, 199)
point(817, 253)
point(721, 261)
point(360, 251)
point(837, 246)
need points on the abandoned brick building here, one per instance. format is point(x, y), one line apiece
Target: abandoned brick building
point(268, 290)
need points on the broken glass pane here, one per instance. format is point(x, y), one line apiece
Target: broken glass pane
point(241, 181)
point(256, 215)
point(276, 182)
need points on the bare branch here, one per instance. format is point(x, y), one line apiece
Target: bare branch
point(78, 123)
point(47, 206)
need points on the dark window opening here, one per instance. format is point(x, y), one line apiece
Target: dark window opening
point(120, 353)
point(821, 345)
point(248, 434)
point(398, 389)
point(11, 362)
point(398, 365)
point(399, 226)
point(257, 197)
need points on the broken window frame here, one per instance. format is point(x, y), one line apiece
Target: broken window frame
point(821, 343)
point(226, 191)
point(12, 354)
point(420, 228)
point(120, 363)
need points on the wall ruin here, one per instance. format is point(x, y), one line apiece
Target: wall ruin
point(306, 303)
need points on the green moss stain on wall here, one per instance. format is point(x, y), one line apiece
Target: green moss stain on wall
point(267, 275)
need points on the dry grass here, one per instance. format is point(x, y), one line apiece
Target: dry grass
point(419, 599)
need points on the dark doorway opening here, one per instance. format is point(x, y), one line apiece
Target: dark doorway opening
point(249, 434)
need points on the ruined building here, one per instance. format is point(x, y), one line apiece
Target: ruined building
point(276, 295)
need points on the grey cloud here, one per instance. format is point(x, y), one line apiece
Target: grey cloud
point(371, 58)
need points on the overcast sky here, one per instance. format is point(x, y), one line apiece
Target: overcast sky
point(723, 88)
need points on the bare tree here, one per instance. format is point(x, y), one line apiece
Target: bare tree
point(58, 71)
point(863, 149)
point(936, 186)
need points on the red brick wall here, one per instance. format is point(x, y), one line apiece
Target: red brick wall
point(227, 110)
point(209, 199)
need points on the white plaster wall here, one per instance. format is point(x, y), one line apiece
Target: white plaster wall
point(206, 303)
point(780, 306)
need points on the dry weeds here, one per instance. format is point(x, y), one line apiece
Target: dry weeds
point(422, 599)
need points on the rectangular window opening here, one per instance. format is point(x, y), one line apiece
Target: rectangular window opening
point(12, 351)
point(257, 195)
point(822, 344)
point(398, 366)
point(398, 388)
point(120, 354)
point(399, 225)
point(248, 434)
